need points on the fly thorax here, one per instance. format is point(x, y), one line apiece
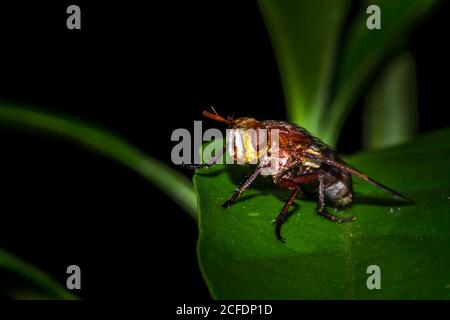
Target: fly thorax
point(276, 160)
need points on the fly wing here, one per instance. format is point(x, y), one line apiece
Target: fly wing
point(355, 172)
point(325, 154)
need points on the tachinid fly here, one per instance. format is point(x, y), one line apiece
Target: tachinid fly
point(302, 163)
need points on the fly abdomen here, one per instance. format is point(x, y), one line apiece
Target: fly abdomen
point(338, 188)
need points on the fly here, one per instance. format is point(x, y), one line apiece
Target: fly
point(304, 164)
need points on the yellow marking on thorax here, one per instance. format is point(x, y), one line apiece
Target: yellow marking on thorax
point(250, 153)
point(313, 163)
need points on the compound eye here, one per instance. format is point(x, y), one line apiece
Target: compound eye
point(238, 144)
point(259, 139)
point(230, 142)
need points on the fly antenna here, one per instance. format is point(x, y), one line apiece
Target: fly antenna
point(215, 116)
point(212, 107)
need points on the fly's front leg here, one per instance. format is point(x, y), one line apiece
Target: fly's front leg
point(321, 210)
point(242, 187)
point(206, 164)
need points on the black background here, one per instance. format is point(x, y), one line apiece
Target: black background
point(141, 71)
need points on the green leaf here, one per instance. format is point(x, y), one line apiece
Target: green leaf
point(174, 184)
point(305, 37)
point(390, 111)
point(363, 53)
point(241, 258)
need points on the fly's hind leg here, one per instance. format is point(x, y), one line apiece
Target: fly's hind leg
point(292, 183)
point(284, 212)
point(321, 210)
point(324, 213)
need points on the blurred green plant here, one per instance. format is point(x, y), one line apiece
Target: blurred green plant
point(174, 184)
point(28, 282)
point(35, 283)
point(390, 110)
point(325, 66)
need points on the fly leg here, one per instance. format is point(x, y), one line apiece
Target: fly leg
point(280, 219)
point(242, 187)
point(206, 164)
point(321, 210)
point(292, 183)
